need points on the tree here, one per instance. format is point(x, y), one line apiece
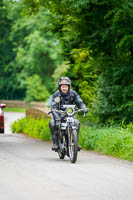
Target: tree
point(30, 48)
point(9, 83)
point(96, 38)
point(104, 28)
point(37, 49)
point(36, 91)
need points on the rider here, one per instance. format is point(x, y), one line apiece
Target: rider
point(63, 96)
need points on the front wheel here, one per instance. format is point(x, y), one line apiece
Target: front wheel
point(61, 155)
point(73, 145)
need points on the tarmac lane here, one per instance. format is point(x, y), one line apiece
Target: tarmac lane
point(10, 117)
point(30, 170)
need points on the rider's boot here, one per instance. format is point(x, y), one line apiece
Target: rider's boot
point(79, 148)
point(55, 145)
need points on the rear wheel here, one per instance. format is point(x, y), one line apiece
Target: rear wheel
point(73, 145)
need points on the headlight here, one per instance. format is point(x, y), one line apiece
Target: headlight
point(69, 110)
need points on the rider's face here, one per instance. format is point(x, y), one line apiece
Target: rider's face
point(64, 89)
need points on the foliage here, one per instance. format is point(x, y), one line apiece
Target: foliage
point(36, 91)
point(29, 48)
point(60, 71)
point(116, 97)
point(32, 127)
point(39, 52)
point(103, 28)
point(116, 142)
point(95, 39)
point(85, 74)
point(10, 86)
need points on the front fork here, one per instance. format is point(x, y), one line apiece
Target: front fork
point(71, 126)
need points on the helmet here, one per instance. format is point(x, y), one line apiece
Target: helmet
point(64, 81)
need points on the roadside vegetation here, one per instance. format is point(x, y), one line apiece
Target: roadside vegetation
point(88, 40)
point(7, 109)
point(37, 128)
point(114, 141)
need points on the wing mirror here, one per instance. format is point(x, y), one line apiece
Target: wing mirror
point(2, 105)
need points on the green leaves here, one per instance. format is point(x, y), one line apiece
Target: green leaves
point(36, 90)
point(32, 49)
point(32, 127)
point(91, 41)
point(116, 142)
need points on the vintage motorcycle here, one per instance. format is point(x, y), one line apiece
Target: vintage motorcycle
point(68, 133)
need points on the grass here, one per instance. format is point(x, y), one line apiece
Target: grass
point(117, 142)
point(7, 109)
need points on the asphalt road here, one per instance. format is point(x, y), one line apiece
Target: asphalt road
point(10, 117)
point(29, 170)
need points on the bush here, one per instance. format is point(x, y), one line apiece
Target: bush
point(32, 127)
point(116, 142)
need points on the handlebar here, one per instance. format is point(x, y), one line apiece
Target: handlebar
point(54, 110)
point(80, 110)
point(63, 112)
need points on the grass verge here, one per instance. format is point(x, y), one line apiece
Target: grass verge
point(7, 109)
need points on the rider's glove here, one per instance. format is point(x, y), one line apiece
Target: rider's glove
point(85, 110)
point(58, 122)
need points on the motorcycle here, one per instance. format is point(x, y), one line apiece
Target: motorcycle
point(67, 133)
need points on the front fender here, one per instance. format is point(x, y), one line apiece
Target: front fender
point(74, 128)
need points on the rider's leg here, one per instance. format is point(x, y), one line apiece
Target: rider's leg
point(53, 134)
point(77, 123)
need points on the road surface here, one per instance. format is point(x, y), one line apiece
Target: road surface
point(10, 117)
point(29, 170)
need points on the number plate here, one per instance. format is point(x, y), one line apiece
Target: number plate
point(70, 119)
point(63, 126)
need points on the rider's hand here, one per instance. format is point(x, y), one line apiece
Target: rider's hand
point(85, 110)
point(58, 122)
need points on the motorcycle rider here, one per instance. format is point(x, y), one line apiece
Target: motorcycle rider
point(63, 96)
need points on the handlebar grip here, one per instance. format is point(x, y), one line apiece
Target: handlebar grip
point(49, 112)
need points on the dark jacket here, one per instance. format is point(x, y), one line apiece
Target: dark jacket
point(65, 99)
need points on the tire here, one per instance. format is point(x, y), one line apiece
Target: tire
point(73, 145)
point(61, 155)
point(1, 130)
